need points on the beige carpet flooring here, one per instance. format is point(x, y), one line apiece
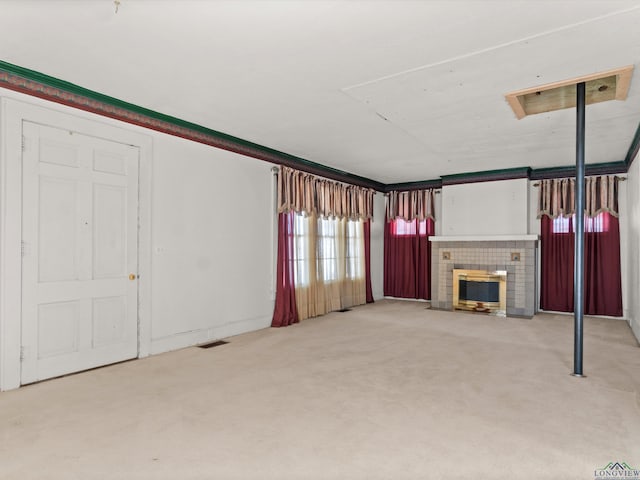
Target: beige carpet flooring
point(385, 391)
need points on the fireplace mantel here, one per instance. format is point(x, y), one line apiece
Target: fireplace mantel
point(483, 238)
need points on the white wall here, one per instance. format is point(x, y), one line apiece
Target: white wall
point(437, 206)
point(534, 229)
point(534, 221)
point(623, 220)
point(377, 247)
point(486, 208)
point(212, 237)
point(633, 247)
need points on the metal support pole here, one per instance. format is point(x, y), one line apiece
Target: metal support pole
point(578, 278)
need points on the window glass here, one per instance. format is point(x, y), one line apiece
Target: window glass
point(354, 253)
point(327, 254)
point(327, 258)
point(301, 250)
point(597, 224)
point(403, 228)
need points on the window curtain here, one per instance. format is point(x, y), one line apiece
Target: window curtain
point(303, 192)
point(331, 265)
point(325, 245)
point(367, 260)
point(556, 197)
point(407, 250)
point(285, 311)
point(556, 210)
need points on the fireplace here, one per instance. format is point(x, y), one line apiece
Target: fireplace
point(480, 291)
point(514, 254)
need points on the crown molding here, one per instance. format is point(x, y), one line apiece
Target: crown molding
point(30, 82)
point(486, 176)
point(610, 168)
point(632, 153)
point(37, 84)
point(407, 186)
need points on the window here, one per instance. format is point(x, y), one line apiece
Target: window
point(602, 274)
point(402, 228)
point(337, 246)
point(327, 250)
point(597, 224)
point(354, 252)
point(407, 258)
point(301, 250)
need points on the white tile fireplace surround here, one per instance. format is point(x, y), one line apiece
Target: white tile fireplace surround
point(514, 253)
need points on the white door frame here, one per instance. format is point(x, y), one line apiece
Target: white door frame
point(12, 115)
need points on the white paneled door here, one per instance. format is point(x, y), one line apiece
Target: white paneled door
point(80, 252)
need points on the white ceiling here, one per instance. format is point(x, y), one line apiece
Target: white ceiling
point(396, 91)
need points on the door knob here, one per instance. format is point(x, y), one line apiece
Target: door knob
point(132, 276)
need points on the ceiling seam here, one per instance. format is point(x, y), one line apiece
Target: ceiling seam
point(488, 49)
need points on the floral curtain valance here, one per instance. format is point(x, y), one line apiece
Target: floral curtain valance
point(556, 197)
point(303, 192)
point(411, 204)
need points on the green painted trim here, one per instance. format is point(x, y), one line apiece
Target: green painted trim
point(610, 168)
point(632, 153)
point(226, 141)
point(34, 83)
point(486, 176)
point(406, 186)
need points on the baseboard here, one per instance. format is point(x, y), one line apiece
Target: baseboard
point(635, 328)
point(404, 299)
point(196, 337)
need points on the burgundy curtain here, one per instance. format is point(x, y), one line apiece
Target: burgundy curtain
point(367, 259)
point(285, 311)
point(407, 258)
point(603, 285)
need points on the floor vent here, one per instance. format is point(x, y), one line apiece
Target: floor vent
point(213, 344)
point(344, 310)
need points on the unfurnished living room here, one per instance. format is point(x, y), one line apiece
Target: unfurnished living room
point(319, 239)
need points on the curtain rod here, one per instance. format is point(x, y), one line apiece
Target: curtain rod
point(437, 191)
point(275, 170)
point(621, 179)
